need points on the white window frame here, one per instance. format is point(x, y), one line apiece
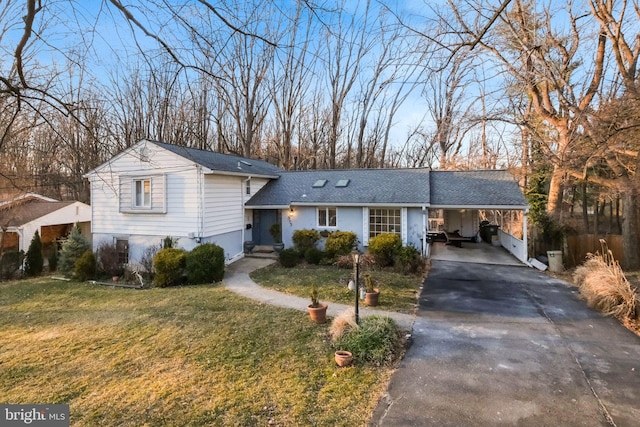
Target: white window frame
point(141, 196)
point(376, 228)
point(327, 215)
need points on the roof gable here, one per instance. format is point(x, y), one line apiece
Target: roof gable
point(214, 162)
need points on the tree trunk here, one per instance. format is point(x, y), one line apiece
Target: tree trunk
point(630, 231)
point(585, 214)
point(554, 203)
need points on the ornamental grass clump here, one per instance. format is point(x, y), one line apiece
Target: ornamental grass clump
point(603, 284)
point(376, 341)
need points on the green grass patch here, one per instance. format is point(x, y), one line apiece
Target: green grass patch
point(194, 355)
point(398, 292)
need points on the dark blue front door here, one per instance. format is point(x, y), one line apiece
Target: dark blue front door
point(262, 221)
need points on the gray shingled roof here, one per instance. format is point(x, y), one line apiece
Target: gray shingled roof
point(223, 162)
point(475, 188)
point(365, 187)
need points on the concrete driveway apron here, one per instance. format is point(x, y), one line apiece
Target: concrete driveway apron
point(505, 345)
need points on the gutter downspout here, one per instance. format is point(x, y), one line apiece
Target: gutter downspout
point(243, 186)
point(425, 230)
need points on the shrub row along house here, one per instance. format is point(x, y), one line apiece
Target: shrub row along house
point(153, 190)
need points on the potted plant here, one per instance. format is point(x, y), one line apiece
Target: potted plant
point(372, 294)
point(317, 311)
point(276, 233)
point(343, 358)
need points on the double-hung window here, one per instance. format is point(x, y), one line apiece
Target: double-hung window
point(142, 195)
point(327, 217)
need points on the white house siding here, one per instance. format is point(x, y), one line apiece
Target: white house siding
point(223, 204)
point(181, 217)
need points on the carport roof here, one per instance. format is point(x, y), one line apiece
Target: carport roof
point(352, 187)
point(475, 189)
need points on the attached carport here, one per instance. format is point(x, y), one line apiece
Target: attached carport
point(463, 200)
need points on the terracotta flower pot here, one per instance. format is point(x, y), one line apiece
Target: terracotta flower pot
point(343, 358)
point(318, 314)
point(371, 298)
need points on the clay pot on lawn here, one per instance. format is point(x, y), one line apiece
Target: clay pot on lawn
point(343, 358)
point(371, 298)
point(318, 314)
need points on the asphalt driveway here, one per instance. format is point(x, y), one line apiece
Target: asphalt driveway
point(505, 345)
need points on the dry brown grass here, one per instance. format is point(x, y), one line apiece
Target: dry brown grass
point(195, 355)
point(603, 284)
point(344, 322)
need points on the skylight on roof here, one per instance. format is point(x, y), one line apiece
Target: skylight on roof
point(342, 183)
point(320, 183)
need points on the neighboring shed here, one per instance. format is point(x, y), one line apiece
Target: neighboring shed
point(21, 217)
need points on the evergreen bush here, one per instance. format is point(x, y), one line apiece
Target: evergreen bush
point(305, 239)
point(53, 258)
point(289, 258)
point(169, 264)
point(72, 249)
point(34, 260)
point(384, 247)
point(340, 243)
point(85, 266)
point(10, 262)
point(409, 261)
point(314, 256)
point(205, 264)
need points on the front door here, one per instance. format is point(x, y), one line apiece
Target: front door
point(263, 219)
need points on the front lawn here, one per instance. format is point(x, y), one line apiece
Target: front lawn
point(196, 355)
point(397, 292)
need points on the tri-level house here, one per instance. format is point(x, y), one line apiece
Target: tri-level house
point(155, 190)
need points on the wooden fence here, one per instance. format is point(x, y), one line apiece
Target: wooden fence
point(578, 246)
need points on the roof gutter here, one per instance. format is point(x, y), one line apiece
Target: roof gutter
point(488, 207)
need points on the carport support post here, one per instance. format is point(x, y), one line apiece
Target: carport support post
point(356, 261)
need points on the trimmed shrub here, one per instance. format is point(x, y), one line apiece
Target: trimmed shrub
point(289, 258)
point(377, 341)
point(169, 264)
point(108, 260)
point(313, 256)
point(305, 239)
point(340, 243)
point(72, 249)
point(205, 264)
point(34, 261)
point(408, 261)
point(384, 248)
point(85, 266)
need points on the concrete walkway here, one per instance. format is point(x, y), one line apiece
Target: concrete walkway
point(237, 279)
